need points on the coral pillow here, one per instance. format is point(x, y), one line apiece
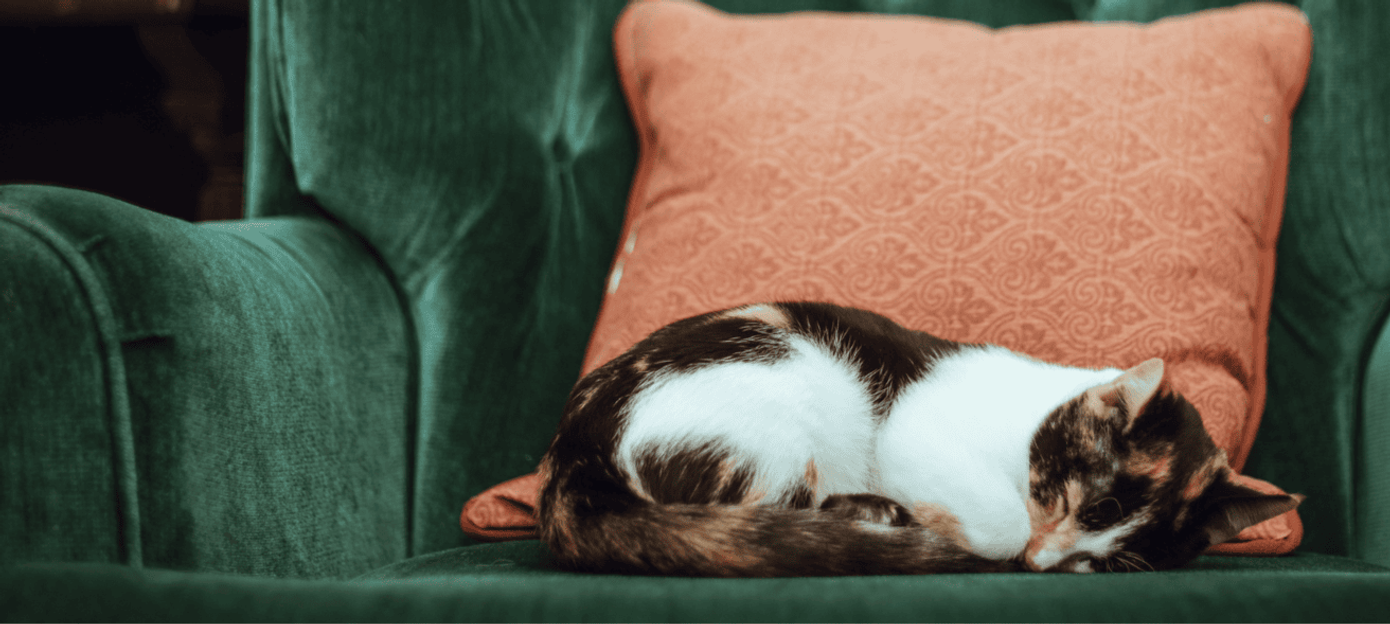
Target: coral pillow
point(1090, 194)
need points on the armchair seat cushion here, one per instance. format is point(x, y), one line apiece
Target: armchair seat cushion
point(514, 582)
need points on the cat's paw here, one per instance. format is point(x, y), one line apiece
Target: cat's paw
point(868, 508)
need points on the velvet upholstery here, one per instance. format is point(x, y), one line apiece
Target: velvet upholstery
point(434, 195)
point(1332, 286)
point(227, 397)
point(510, 582)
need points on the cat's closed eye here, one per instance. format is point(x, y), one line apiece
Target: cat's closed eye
point(1102, 513)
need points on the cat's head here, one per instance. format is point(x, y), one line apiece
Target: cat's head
point(1124, 477)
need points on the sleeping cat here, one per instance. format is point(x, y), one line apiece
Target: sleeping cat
point(795, 439)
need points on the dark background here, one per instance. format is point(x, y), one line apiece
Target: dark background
point(142, 100)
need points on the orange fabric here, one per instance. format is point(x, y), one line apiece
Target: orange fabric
point(506, 511)
point(1090, 194)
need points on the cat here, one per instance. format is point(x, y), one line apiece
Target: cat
point(801, 439)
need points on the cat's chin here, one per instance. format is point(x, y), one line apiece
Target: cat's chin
point(1051, 562)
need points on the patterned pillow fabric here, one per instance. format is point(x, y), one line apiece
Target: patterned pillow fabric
point(1090, 194)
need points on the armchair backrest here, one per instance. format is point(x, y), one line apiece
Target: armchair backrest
point(484, 150)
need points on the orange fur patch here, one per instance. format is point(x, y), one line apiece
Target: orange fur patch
point(1155, 467)
point(941, 522)
point(1043, 518)
point(1097, 406)
point(1075, 495)
point(1054, 525)
point(761, 312)
point(1204, 476)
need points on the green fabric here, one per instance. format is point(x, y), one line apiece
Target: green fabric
point(512, 582)
point(483, 149)
point(1333, 279)
point(1372, 535)
point(67, 460)
point(1145, 10)
point(219, 397)
point(435, 190)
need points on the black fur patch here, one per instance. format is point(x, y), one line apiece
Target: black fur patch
point(706, 340)
point(868, 508)
point(699, 476)
point(889, 356)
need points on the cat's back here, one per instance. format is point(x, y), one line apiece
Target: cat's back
point(787, 394)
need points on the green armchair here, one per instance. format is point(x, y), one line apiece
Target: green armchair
point(280, 418)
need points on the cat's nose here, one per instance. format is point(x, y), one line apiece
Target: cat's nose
point(1038, 556)
point(1031, 559)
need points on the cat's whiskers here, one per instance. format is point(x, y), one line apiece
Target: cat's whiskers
point(1133, 561)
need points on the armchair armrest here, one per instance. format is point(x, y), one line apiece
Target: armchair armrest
point(229, 397)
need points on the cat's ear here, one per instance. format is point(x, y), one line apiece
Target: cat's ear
point(1236, 507)
point(1134, 388)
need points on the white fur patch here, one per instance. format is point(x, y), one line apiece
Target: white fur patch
point(959, 438)
point(774, 418)
point(1099, 544)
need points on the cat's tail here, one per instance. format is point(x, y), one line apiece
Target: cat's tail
point(636, 536)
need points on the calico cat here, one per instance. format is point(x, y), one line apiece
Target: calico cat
point(797, 439)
